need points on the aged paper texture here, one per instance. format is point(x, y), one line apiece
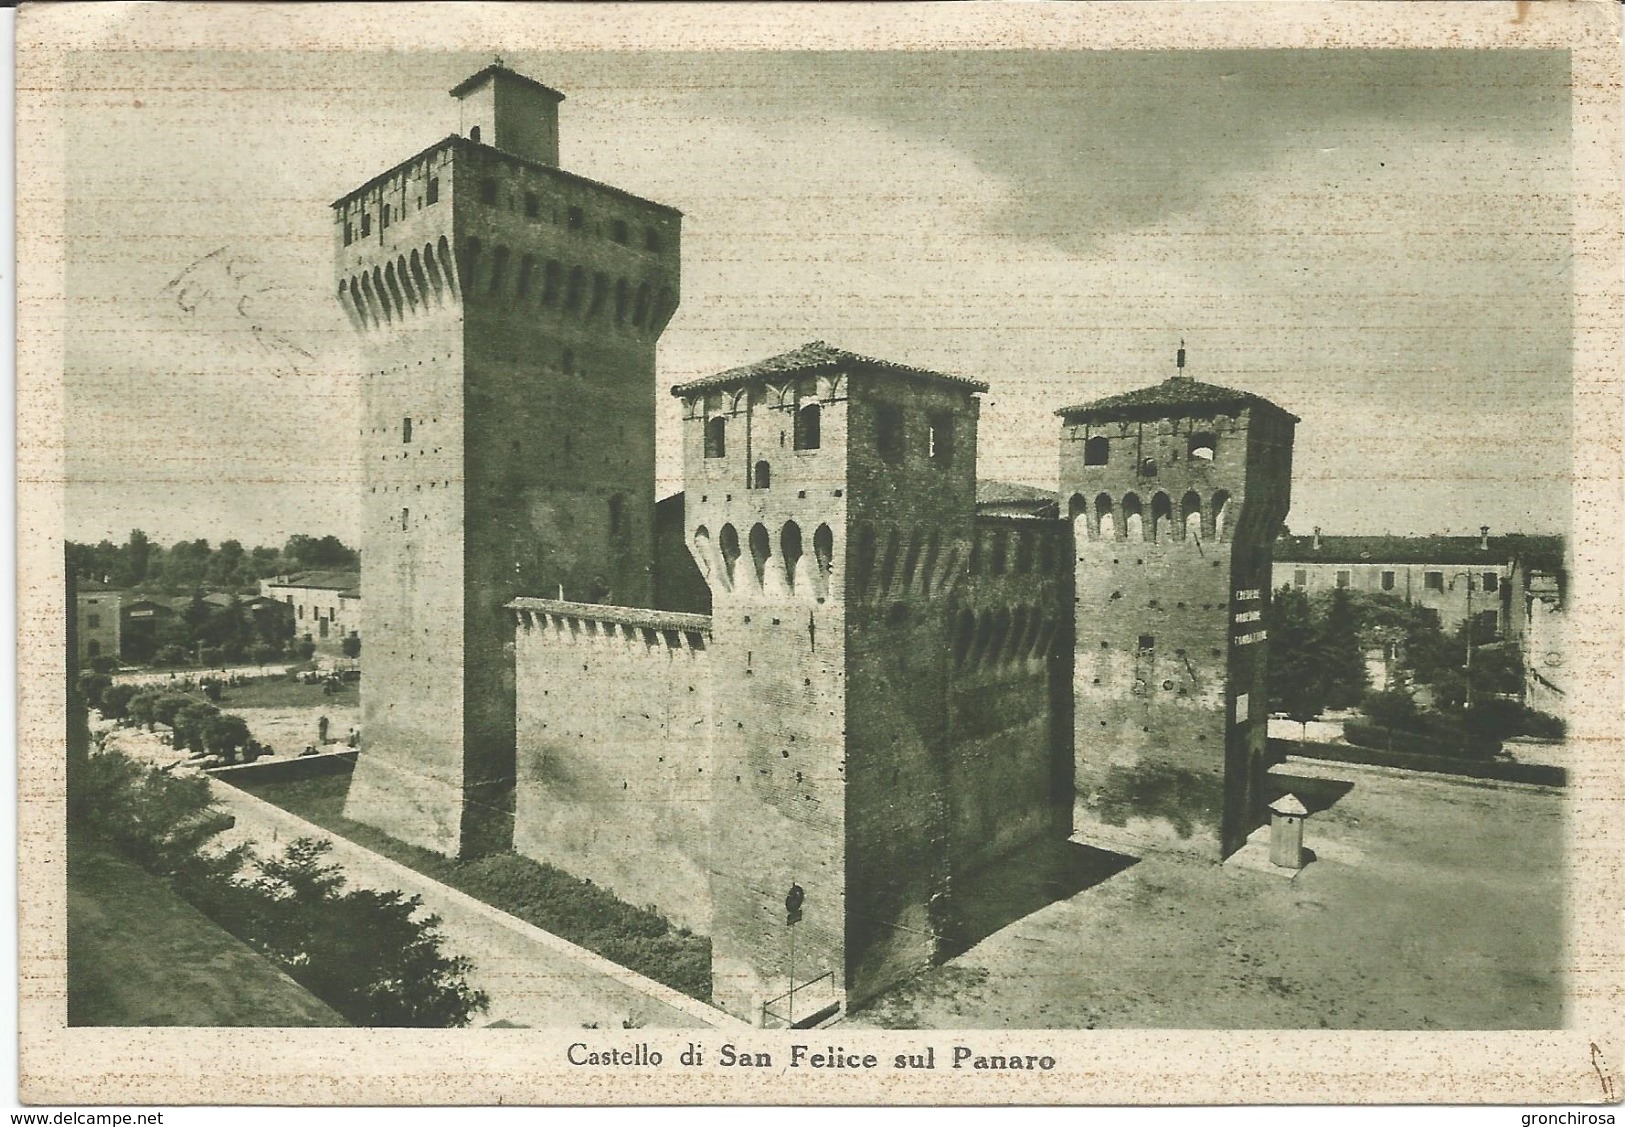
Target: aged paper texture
point(929, 554)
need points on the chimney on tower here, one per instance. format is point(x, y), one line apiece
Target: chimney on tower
point(1483, 538)
point(1317, 537)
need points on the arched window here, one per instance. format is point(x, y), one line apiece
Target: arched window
point(1133, 520)
point(1097, 451)
point(1190, 510)
point(1104, 520)
point(1162, 516)
point(702, 550)
point(474, 134)
point(808, 427)
point(761, 550)
point(1221, 514)
point(790, 551)
point(716, 437)
point(1203, 445)
point(824, 549)
point(728, 544)
point(762, 476)
point(1076, 507)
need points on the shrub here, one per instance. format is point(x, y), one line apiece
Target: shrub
point(92, 685)
point(104, 663)
point(1392, 708)
point(1543, 725)
point(156, 819)
point(116, 701)
point(304, 650)
point(1441, 740)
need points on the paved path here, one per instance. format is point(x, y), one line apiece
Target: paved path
point(533, 977)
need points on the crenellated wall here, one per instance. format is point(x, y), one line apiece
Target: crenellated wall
point(613, 778)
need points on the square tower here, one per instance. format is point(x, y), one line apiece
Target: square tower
point(508, 314)
point(1175, 493)
point(830, 503)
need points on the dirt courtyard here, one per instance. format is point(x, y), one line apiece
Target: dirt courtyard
point(1433, 903)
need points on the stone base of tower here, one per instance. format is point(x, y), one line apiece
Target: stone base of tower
point(396, 793)
point(1132, 800)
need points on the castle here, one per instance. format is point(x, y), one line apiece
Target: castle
point(797, 707)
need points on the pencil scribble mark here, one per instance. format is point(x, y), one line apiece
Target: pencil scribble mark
point(1599, 1064)
point(225, 283)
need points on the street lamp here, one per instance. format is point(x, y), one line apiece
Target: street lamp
point(1467, 699)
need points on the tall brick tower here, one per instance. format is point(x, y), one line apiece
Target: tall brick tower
point(830, 502)
point(1176, 493)
point(508, 314)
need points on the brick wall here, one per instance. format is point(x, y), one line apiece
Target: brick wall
point(614, 753)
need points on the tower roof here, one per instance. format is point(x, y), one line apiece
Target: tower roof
point(496, 70)
point(816, 356)
point(1176, 395)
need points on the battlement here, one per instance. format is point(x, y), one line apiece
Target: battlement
point(589, 622)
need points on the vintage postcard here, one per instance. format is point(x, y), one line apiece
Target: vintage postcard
point(989, 553)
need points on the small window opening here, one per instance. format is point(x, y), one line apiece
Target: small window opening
point(349, 234)
point(1097, 451)
point(1491, 581)
point(617, 515)
point(1202, 445)
point(889, 432)
point(762, 478)
point(651, 239)
point(809, 424)
point(618, 231)
point(488, 190)
point(366, 224)
point(940, 440)
point(474, 134)
point(383, 218)
point(1387, 581)
point(577, 219)
point(1148, 643)
point(533, 206)
point(1433, 580)
point(432, 196)
point(405, 516)
point(406, 430)
point(716, 437)
point(1300, 578)
point(1343, 578)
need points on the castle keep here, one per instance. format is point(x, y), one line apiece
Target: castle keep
point(887, 690)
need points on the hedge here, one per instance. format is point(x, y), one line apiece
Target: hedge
point(1540, 774)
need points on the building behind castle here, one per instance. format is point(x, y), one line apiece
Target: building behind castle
point(799, 707)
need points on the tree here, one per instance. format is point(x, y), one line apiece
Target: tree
point(116, 701)
point(92, 685)
point(193, 724)
point(1297, 673)
point(226, 735)
point(139, 557)
point(1340, 653)
point(351, 645)
point(361, 951)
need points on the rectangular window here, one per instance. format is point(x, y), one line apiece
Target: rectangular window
point(1387, 581)
point(1147, 643)
point(301, 610)
point(1343, 579)
point(383, 218)
point(349, 234)
point(651, 239)
point(488, 190)
point(533, 207)
point(889, 432)
point(405, 514)
point(618, 231)
point(577, 219)
point(940, 440)
point(1300, 578)
point(93, 622)
point(1433, 580)
point(1243, 708)
point(433, 194)
point(1492, 581)
point(366, 224)
point(406, 430)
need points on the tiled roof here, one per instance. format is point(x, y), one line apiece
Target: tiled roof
point(816, 356)
point(1546, 551)
point(322, 580)
point(473, 80)
point(1176, 394)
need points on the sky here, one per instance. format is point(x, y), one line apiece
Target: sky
point(1378, 241)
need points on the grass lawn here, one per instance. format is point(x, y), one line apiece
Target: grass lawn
point(140, 955)
point(539, 894)
point(285, 692)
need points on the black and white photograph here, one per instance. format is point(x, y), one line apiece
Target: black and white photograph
point(784, 560)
